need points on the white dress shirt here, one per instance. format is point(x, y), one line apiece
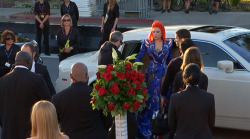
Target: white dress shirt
point(20, 66)
point(33, 67)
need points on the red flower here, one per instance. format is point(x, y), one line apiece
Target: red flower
point(128, 66)
point(102, 91)
point(114, 88)
point(109, 68)
point(133, 75)
point(136, 105)
point(131, 92)
point(143, 101)
point(126, 106)
point(124, 84)
point(97, 86)
point(98, 75)
point(107, 76)
point(93, 100)
point(120, 75)
point(138, 85)
point(144, 90)
point(127, 75)
point(111, 106)
point(141, 77)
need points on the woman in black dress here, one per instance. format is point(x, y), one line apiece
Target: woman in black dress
point(8, 51)
point(110, 18)
point(67, 38)
point(191, 55)
point(69, 7)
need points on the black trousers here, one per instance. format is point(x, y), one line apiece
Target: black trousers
point(106, 32)
point(45, 32)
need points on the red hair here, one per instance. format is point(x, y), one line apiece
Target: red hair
point(161, 27)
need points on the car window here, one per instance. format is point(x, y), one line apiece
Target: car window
point(131, 47)
point(241, 45)
point(211, 54)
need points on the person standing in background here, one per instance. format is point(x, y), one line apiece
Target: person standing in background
point(110, 18)
point(69, 7)
point(8, 51)
point(67, 38)
point(42, 13)
point(164, 6)
point(187, 3)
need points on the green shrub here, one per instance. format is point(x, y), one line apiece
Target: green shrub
point(234, 2)
point(55, 5)
point(8, 4)
point(245, 5)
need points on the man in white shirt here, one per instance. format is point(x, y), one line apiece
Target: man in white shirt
point(39, 68)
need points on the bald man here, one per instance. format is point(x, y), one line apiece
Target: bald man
point(20, 89)
point(77, 118)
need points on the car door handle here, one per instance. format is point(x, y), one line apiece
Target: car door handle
point(206, 53)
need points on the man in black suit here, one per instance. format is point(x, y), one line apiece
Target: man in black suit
point(75, 114)
point(183, 42)
point(105, 52)
point(192, 112)
point(20, 89)
point(39, 68)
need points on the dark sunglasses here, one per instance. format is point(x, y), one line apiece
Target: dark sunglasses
point(64, 20)
point(121, 42)
point(9, 38)
point(156, 31)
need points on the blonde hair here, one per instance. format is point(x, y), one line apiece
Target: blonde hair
point(192, 55)
point(112, 3)
point(63, 17)
point(44, 121)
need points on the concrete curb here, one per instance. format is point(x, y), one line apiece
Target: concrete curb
point(85, 19)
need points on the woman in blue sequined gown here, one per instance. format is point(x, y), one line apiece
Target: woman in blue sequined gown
point(159, 51)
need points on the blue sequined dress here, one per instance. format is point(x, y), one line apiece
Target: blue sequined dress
point(157, 67)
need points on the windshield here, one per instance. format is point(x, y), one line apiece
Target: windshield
point(241, 45)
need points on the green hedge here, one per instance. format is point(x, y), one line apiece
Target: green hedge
point(234, 2)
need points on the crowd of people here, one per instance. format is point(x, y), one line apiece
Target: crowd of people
point(178, 82)
point(31, 108)
point(68, 35)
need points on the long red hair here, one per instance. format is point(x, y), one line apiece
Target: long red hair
point(161, 27)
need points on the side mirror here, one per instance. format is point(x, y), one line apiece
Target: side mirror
point(226, 65)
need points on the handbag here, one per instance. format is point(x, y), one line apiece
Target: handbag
point(159, 122)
